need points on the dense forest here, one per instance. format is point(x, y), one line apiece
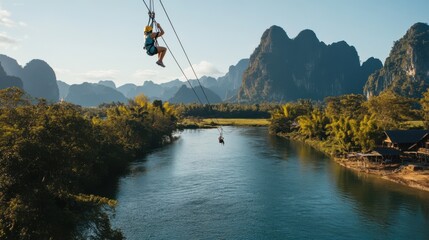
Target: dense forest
point(349, 122)
point(53, 157)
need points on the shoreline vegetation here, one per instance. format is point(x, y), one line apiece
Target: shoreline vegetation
point(55, 157)
point(194, 116)
point(348, 124)
point(411, 175)
point(192, 123)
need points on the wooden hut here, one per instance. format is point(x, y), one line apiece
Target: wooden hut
point(404, 140)
point(421, 149)
point(381, 155)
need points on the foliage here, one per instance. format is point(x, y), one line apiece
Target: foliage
point(13, 97)
point(225, 110)
point(346, 123)
point(342, 133)
point(283, 119)
point(390, 109)
point(368, 133)
point(210, 123)
point(141, 125)
point(52, 157)
point(345, 105)
point(313, 125)
point(425, 107)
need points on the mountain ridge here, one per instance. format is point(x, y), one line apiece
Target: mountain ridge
point(285, 69)
point(38, 78)
point(406, 70)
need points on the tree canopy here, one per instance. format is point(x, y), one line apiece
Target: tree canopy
point(349, 122)
point(53, 157)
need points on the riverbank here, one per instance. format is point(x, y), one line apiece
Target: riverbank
point(210, 123)
point(411, 175)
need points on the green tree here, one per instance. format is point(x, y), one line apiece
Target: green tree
point(48, 160)
point(368, 133)
point(141, 125)
point(313, 125)
point(284, 118)
point(342, 133)
point(424, 102)
point(345, 106)
point(13, 97)
point(390, 110)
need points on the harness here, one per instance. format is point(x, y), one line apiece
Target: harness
point(150, 45)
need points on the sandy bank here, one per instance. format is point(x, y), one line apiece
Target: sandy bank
point(409, 175)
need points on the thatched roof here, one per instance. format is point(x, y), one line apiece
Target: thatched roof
point(406, 136)
point(384, 151)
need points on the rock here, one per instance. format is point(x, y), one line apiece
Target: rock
point(63, 89)
point(9, 81)
point(91, 95)
point(38, 78)
point(284, 69)
point(406, 70)
point(40, 81)
point(108, 83)
point(186, 95)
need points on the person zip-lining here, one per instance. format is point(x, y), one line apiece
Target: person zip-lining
point(221, 141)
point(220, 138)
point(151, 43)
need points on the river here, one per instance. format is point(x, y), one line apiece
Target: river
point(259, 186)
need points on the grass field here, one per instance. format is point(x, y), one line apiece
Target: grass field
point(413, 124)
point(225, 122)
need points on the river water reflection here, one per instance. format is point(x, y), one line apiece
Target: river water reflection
point(258, 186)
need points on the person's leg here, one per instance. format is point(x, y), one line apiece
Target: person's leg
point(161, 53)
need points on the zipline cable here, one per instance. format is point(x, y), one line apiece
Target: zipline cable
point(148, 8)
point(184, 51)
point(151, 15)
point(189, 61)
point(175, 59)
point(183, 72)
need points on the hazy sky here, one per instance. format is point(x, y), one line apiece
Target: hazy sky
point(92, 40)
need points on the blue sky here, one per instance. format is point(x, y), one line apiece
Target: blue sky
point(92, 40)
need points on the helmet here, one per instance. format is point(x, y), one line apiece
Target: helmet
point(148, 29)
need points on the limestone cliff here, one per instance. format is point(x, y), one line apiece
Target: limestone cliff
point(38, 78)
point(92, 94)
point(406, 70)
point(186, 95)
point(9, 81)
point(285, 69)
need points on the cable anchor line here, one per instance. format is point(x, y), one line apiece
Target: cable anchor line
point(187, 57)
point(184, 51)
point(152, 17)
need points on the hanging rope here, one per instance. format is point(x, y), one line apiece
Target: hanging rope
point(190, 64)
point(184, 51)
point(183, 72)
point(152, 16)
point(150, 9)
